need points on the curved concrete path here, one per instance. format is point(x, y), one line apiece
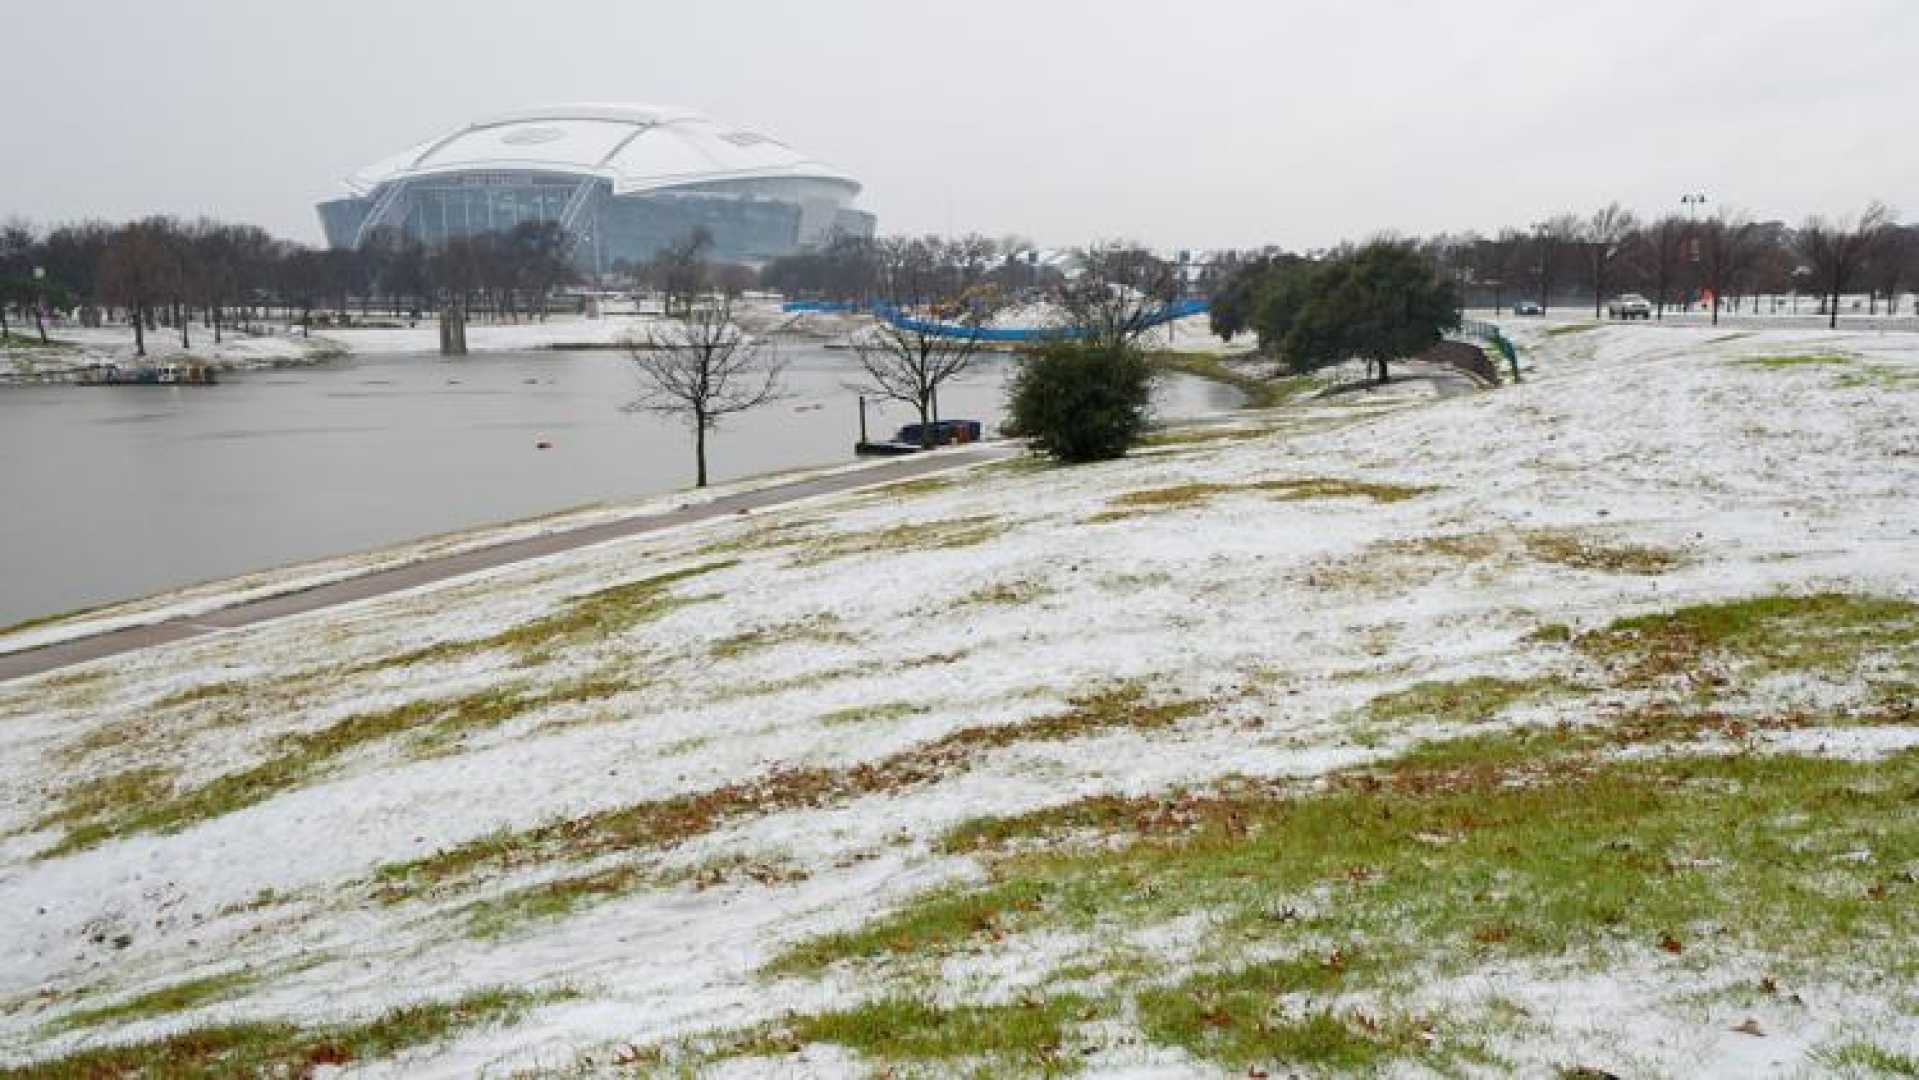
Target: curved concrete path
point(45, 658)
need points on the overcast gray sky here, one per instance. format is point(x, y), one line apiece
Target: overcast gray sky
point(1176, 123)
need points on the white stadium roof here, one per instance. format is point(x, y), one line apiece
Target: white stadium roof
point(638, 147)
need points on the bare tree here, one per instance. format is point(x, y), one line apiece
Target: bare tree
point(908, 360)
point(1668, 242)
point(1609, 233)
point(1551, 239)
point(1727, 245)
point(702, 367)
point(17, 246)
point(1493, 262)
point(136, 270)
point(1891, 261)
point(539, 256)
point(732, 279)
point(1836, 251)
point(1122, 293)
point(681, 269)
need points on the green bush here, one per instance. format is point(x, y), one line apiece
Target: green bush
point(1080, 402)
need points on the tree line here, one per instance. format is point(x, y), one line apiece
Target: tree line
point(164, 272)
point(1725, 260)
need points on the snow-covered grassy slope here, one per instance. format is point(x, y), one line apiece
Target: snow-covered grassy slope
point(667, 785)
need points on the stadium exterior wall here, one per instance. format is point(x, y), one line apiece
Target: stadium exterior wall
point(624, 181)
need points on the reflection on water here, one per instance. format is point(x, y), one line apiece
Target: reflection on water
point(113, 492)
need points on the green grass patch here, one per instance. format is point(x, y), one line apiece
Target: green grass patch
point(594, 616)
point(872, 714)
point(822, 628)
point(1570, 329)
point(913, 536)
point(1826, 633)
point(1238, 1018)
point(898, 1029)
point(194, 695)
point(1204, 436)
point(1181, 496)
point(106, 797)
point(169, 999)
point(1811, 360)
point(1567, 548)
point(1859, 1057)
point(1879, 377)
point(1470, 852)
point(1026, 1038)
point(1461, 701)
point(1004, 594)
point(908, 489)
point(499, 916)
point(1023, 465)
point(271, 1048)
point(32, 341)
point(550, 900)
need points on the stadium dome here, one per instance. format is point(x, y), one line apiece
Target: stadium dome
point(624, 180)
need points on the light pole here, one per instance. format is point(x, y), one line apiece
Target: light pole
point(1692, 201)
point(39, 317)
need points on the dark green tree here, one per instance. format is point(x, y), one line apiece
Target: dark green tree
point(1081, 402)
point(1233, 307)
point(1381, 303)
point(1283, 292)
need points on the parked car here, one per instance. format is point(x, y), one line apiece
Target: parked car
point(1629, 306)
point(1528, 307)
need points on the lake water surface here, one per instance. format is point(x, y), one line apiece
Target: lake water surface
point(107, 493)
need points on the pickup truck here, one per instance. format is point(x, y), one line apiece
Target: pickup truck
point(1629, 306)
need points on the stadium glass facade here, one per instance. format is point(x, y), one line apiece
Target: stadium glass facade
point(624, 181)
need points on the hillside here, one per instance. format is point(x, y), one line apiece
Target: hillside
point(1564, 726)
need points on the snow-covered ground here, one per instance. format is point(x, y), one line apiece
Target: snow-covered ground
point(75, 347)
point(1017, 591)
point(281, 345)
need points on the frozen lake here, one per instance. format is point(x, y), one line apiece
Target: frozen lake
point(116, 492)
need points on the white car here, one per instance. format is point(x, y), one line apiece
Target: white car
point(1629, 306)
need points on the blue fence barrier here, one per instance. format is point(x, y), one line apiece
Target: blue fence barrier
point(1491, 334)
point(1178, 309)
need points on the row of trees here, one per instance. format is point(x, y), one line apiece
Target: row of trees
point(1675, 261)
point(911, 271)
point(163, 271)
point(1725, 259)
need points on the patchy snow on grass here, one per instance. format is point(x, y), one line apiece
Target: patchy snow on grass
point(850, 678)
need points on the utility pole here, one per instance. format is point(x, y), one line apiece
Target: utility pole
point(1692, 201)
point(39, 305)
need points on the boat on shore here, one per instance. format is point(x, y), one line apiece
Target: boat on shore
point(156, 375)
point(909, 439)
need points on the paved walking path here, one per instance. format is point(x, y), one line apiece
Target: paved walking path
point(47, 658)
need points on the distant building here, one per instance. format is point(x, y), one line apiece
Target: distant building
point(624, 180)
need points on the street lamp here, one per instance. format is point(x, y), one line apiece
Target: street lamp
point(39, 315)
point(1692, 202)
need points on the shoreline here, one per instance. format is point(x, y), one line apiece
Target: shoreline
point(203, 598)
